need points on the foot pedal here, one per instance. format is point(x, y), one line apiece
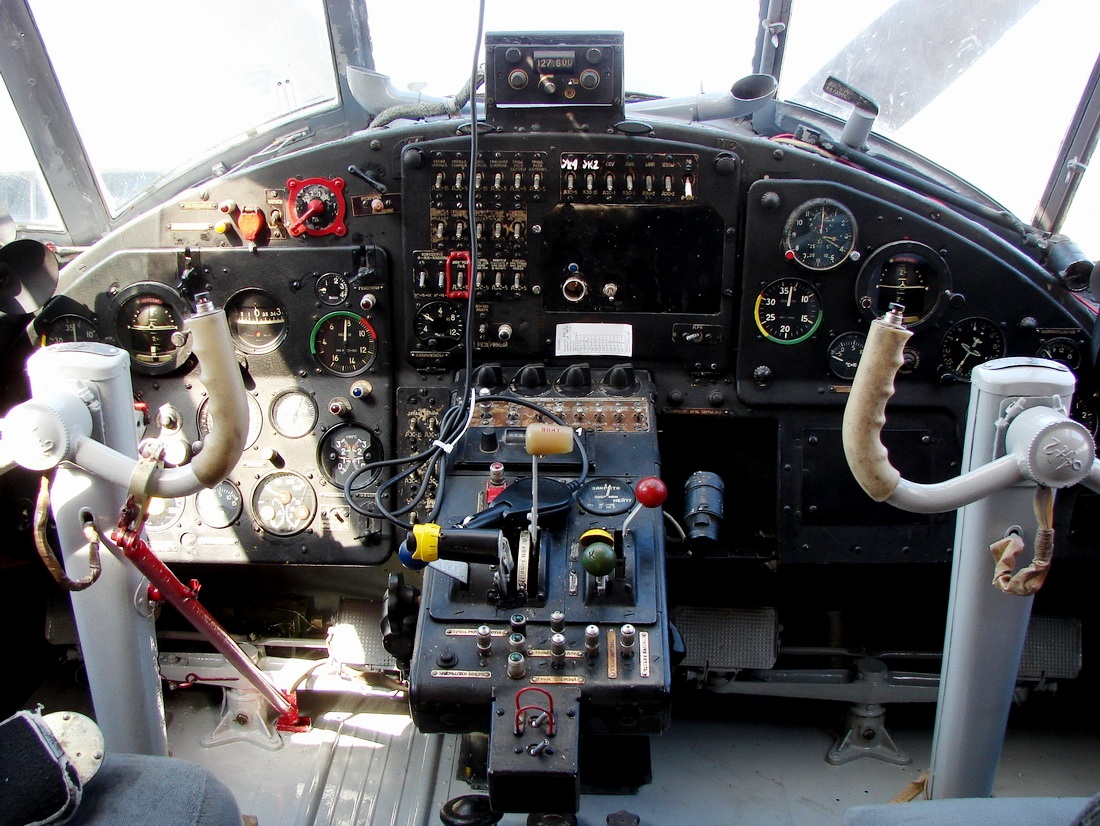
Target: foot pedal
point(726, 639)
point(1052, 649)
point(355, 639)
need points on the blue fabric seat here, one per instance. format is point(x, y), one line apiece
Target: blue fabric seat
point(998, 811)
point(135, 790)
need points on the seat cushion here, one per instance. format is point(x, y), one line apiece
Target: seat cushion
point(135, 790)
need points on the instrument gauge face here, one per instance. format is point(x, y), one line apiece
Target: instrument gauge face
point(316, 206)
point(971, 342)
point(1061, 349)
point(163, 513)
point(294, 413)
point(331, 289)
point(343, 343)
point(439, 325)
point(844, 353)
point(788, 311)
point(284, 503)
point(255, 420)
point(345, 450)
point(820, 235)
point(1084, 411)
point(906, 273)
point(219, 506)
point(605, 496)
point(66, 328)
point(149, 326)
point(257, 321)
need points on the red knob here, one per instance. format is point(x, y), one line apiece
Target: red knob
point(651, 492)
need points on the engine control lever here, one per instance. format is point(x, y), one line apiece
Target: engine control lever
point(512, 506)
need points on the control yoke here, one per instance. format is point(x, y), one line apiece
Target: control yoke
point(1020, 447)
point(1041, 443)
point(58, 425)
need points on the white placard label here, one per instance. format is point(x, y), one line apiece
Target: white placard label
point(582, 339)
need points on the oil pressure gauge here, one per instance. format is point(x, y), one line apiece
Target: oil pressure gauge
point(316, 206)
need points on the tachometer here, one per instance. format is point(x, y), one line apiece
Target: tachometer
point(788, 311)
point(284, 503)
point(820, 235)
point(905, 273)
point(344, 343)
point(969, 343)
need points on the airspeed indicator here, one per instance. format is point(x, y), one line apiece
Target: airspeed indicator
point(788, 311)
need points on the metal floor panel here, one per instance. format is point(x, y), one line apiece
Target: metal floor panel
point(762, 762)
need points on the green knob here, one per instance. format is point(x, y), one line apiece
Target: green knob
point(598, 559)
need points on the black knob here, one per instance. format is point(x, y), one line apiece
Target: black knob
point(676, 398)
point(577, 378)
point(620, 378)
point(770, 200)
point(762, 375)
point(489, 441)
point(531, 377)
point(469, 810)
point(412, 158)
point(489, 376)
point(725, 164)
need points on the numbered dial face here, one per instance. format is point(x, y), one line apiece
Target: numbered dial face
point(204, 421)
point(257, 321)
point(219, 506)
point(316, 206)
point(345, 450)
point(1061, 349)
point(905, 273)
point(163, 513)
point(439, 325)
point(820, 235)
point(331, 289)
point(605, 496)
point(294, 413)
point(969, 343)
point(1085, 412)
point(344, 343)
point(788, 311)
point(844, 353)
point(148, 324)
point(284, 503)
point(68, 328)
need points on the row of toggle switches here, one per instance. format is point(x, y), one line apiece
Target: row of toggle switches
point(498, 231)
point(498, 182)
point(518, 651)
point(646, 185)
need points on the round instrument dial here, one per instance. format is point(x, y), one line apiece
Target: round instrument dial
point(345, 450)
point(163, 513)
point(66, 328)
point(844, 353)
point(969, 343)
point(1061, 349)
point(294, 413)
point(204, 421)
point(257, 321)
point(788, 311)
point(906, 273)
point(331, 289)
point(284, 503)
point(439, 325)
point(149, 326)
point(605, 496)
point(1084, 411)
point(820, 235)
point(316, 206)
point(344, 343)
point(219, 506)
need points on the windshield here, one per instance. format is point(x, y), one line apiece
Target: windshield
point(166, 87)
point(984, 88)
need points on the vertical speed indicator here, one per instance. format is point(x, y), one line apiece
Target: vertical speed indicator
point(788, 311)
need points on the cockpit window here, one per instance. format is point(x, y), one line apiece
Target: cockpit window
point(985, 88)
point(23, 191)
point(709, 57)
point(151, 87)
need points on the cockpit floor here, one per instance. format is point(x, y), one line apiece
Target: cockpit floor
point(723, 761)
